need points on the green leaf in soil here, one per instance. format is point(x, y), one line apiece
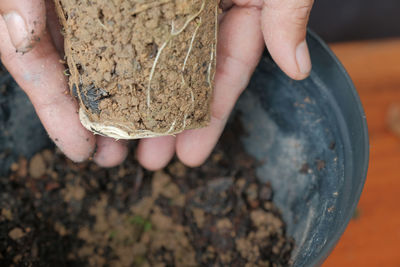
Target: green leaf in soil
point(137, 219)
point(113, 234)
point(147, 226)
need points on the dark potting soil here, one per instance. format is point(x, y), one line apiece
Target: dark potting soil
point(53, 211)
point(18, 121)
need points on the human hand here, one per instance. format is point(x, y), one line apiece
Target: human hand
point(31, 51)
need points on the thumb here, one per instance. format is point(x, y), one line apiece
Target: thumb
point(284, 25)
point(25, 21)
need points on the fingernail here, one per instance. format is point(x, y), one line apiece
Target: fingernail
point(303, 58)
point(17, 31)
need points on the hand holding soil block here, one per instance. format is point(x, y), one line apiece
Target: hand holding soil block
point(141, 68)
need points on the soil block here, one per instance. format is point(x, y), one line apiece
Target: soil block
point(141, 68)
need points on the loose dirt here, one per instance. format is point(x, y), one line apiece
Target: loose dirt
point(219, 214)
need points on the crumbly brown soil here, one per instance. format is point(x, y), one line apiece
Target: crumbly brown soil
point(144, 67)
point(58, 213)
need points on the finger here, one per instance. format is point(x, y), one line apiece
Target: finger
point(40, 75)
point(110, 152)
point(25, 21)
point(54, 27)
point(284, 24)
point(155, 153)
point(225, 4)
point(239, 50)
point(249, 3)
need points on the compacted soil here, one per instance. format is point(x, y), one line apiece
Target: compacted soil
point(141, 68)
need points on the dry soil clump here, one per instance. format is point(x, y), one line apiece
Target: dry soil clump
point(141, 68)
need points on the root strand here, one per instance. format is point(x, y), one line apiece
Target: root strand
point(145, 7)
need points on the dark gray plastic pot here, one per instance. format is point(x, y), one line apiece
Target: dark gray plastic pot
point(312, 137)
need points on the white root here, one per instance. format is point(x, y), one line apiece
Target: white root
point(190, 19)
point(210, 66)
point(118, 132)
point(216, 39)
point(187, 57)
point(184, 122)
point(152, 72)
point(102, 25)
point(171, 128)
point(172, 34)
point(147, 6)
point(121, 131)
point(213, 50)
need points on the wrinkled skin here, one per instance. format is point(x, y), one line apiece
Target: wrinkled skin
point(31, 47)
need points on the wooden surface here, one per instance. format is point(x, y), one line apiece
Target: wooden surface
point(373, 236)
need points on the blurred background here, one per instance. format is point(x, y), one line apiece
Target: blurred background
point(351, 20)
point(365, 36)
